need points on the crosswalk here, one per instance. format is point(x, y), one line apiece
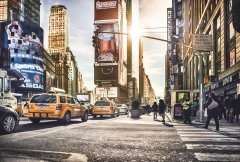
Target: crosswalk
point(211, 145)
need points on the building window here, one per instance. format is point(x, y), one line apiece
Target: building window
point(217, 28)
point(231, 39)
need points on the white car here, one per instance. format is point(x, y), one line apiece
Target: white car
point(123, 109)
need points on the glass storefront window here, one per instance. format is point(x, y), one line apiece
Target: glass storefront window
point(232, 57)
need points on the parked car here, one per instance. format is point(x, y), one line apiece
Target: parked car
point(61, 107)
point(105, 107)
point(122, 108)
point(9, 119)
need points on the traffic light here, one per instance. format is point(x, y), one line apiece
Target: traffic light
point(236, 14)
point(94, 41)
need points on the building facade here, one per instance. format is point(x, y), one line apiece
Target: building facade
point(20, 10)
point(222, 65)
point(58, 43)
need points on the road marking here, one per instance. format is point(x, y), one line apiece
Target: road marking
point(213, 147)
point(73, 157)
point(217, 157)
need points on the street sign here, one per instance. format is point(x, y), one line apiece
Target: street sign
point(202, 42)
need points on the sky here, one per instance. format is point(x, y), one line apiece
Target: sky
point(153, 13)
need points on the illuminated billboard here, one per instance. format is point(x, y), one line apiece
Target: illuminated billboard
point(24, 43)
point(107, 92)
point(106, 74)
point(106, 11)
point(107, 47)
point(83, 97)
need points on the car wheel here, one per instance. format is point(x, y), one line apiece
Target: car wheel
point(67, 118)
point(85, 117)
point(35, 120)
point(8, 124)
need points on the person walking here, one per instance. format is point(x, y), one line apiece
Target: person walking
point(222, 110)
point(186, 104)
point(229, 108)
point(162, 109)
point(155, 110)
point(237, 107)
point(212, 106)
point(148, 107)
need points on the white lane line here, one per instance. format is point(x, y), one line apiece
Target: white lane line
point(72, 158)
point(197, 139)
point(209, 135)
point(213, 147)
point(217, 157)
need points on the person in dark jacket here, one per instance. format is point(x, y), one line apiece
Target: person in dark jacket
point(162, 109)
point(237, 107)
point(155, 110)
point(212, 110)
point(222, 110)
point(229, 107)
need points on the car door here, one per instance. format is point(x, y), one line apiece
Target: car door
point(78, 107)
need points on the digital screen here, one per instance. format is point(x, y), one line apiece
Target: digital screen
point(106, 74)
point(181, 95)
point(24, 42)
point(83, 98)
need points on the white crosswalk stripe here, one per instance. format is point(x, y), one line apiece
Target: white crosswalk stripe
point(211, 145)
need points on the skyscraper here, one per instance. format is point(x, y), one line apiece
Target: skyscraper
point(58, 29)
point(58, 43)
point(20, 10)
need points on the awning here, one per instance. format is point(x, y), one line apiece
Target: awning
point(16, 77)
point(13, 73)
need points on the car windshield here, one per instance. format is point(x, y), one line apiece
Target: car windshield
point(44, 99)
point(102, 103)
point(119, 105)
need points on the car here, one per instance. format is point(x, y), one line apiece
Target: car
point(9, 119)
point(54, 106)
point(105, 107)
point(122, 108)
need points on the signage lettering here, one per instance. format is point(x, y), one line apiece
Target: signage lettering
point(106, 5)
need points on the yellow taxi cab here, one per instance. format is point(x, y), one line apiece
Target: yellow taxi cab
point(61, 107)
point(105, 107)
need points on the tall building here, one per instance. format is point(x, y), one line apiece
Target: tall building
point(222, 65)
point(58, 40)
point(58, 43)
point(20, 10)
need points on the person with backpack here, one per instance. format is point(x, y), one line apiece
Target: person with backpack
point(212, 106)
point(162, 109)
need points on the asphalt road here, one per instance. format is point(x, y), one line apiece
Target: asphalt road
point(101, 139)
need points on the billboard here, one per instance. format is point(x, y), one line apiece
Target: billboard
point(24, 43)
point(83, 97)
point(106, 11)
point(106, 73)
point(107, 47)
point(107, 92)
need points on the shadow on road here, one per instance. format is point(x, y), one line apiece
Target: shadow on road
point(42, 125)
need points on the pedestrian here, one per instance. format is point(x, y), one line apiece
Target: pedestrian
point(237, 107)
point(212, 110)
point(222, 110)
point(162, 109)
point(186, 104)
point(229, 108)
point(195, 106)
point(155, 110)
point(148, 107)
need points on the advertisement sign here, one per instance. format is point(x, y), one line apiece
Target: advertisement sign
point(181, 95)
point(202, 42)
point(106, 11)
point(83, 97)
point(106, 44)
point(106, 74)
point(107, 92)
point(24, 42)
